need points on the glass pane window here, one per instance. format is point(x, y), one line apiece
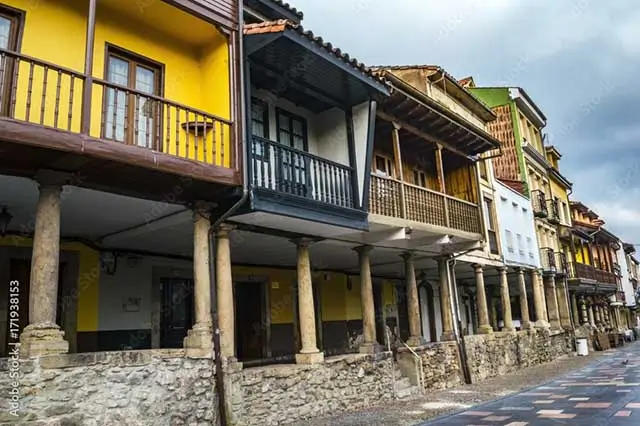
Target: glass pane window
point(5, 32)
point(132, 117)
point(118, 70)
point(488, 213)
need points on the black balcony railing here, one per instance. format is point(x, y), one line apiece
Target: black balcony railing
point(554, 212)
point(287, 170)
point(562, 266)
point(548, 260)
point(539, 203)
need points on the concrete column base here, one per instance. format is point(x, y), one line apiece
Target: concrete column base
point(415, 341)
point(199, 341)
point(448, 336)
point(508, 329)
point(526, 326)
point(369, 348)
point(312, 358)
point(485, 329)
point(42, 339)
point(542, 324)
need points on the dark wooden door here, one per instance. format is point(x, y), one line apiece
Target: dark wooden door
point(177, 312)
point(403, 313)
point(250, 326)
point(378, 302)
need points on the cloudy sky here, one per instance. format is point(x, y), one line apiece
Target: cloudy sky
point(578, 59)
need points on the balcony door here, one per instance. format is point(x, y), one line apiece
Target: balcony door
point(292, 132)
point(129, 115)
point(10, 29)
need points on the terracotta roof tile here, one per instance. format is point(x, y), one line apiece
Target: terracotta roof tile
point(282, 25)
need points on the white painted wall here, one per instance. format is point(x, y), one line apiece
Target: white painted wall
point(361, 134)
point(515, 216)
point(132, 280)
point(627, 285)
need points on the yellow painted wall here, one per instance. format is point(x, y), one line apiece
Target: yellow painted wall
point(196, 76)
point(280, 290)
point(87, 290)
point(558, 191)
point(333, 302)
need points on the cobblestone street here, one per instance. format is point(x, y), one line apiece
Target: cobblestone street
point(564, 374)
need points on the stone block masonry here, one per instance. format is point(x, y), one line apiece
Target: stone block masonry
point(440, 365)
point(498, 354)
point(282, 394)
point(137, 388)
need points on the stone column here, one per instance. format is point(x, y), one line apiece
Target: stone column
point(413, 301)
point(563, 304)
point(552, 302)
point(524, 303)
point(445, 301)
point(506, 301)
point(199, 340)
point(598, 315)
point(574, 309)
point(607, 316)
point(369, 344)
point(541, 321)
point(494, 310)
point(584, 315)
point(591, 314)
point(43, 336)
point(309, 354)
point(224, 288)
point(481, 297)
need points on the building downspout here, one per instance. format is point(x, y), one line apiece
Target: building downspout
point(240, 116)
point(453, 291)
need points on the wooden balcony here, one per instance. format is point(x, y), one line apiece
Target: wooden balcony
point(587, 272)
point(45, 106)
point(288, 171)
point(393, 198)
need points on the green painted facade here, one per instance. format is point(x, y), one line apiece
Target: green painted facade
point(495, 97)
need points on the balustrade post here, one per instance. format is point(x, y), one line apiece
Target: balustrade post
point(397, 153)
point(87, 88)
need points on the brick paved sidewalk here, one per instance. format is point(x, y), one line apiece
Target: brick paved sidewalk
point(606, 392)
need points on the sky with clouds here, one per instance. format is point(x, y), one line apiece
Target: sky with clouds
point(577, 59)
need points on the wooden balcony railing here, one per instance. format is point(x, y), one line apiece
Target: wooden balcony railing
point(548, 260)
point(291, 171)
point(539, 203)
point(390, 197)
point(39, 92)
point(588, 272)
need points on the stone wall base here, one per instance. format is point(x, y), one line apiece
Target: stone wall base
point(155, 387)
point(502, 353)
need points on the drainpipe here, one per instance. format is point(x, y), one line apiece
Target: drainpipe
point(453, 291)
point(215, 222)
